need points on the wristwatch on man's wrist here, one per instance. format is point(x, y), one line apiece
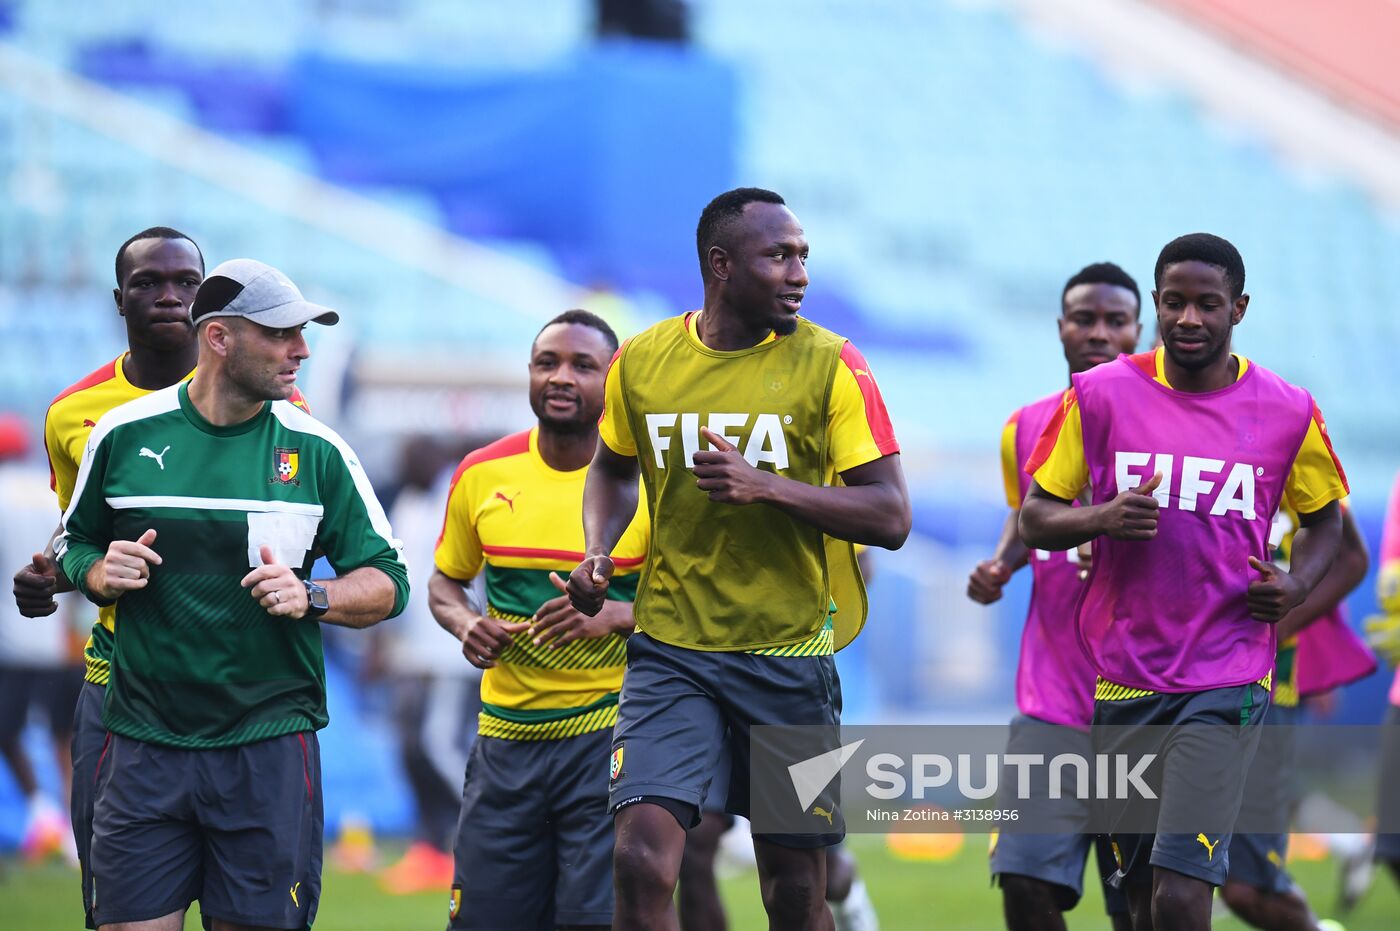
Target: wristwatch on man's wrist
point(317, 604)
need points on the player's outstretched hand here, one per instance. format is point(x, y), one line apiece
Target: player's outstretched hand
point(1274, 593)
point(35, 585)
point(726, 476)
point(276, 587)
point(1133, 514)
point(558, 622)
point(125, 568)
point(985, 583)
point(588, 584)
point(487, 638)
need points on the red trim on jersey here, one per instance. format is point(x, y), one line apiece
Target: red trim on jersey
point(512, 445)
point(105, 373)
point(1046, 444)
point(608, 371)
point(876, 416)
point(1147, 361)
point(299, 399)
point(530, 552)
point(1327, 441)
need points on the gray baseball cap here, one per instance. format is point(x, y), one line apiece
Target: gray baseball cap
point(249, 288)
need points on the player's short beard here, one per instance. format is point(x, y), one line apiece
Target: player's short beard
point(785, 325)
point(1203, 361)
point(585, 422)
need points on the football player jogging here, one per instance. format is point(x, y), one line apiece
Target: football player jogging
point(1188, 451)
point(198, 511)
point(740, 417)
point(534, 841)
point(1042, 875)
point(1317, 652)
point(158, 271)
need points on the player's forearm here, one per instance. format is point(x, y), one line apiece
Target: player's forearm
point(1050, 523)
point(1348, 571)
point(360, 598)
point(450, 603)
point(1315, 545)
point(876, 514)
point(609, 500)
point(83, 564)
point(61, 581)
point(1010, 551)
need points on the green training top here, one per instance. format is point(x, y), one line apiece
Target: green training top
point(198, 662)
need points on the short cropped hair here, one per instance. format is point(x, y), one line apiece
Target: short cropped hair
point(1207, 248)
point(716, 227)
point(1103, 273)
point(584, 318)
point(155, 232)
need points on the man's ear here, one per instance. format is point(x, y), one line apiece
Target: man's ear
point(219, 335)
point(719, 263)
point(117, 299)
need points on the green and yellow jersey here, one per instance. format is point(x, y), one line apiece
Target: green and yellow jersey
point(512, 515)
point(70, 418)
point(728, 578)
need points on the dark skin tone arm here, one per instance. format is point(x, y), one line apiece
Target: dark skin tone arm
point(1277, 592)
point(1348, 571)
point(871, 508)
point(985, 583)
point(38, 581)
point(1049, 522)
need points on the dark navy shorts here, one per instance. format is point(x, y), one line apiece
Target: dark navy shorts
point(238, 828)
point(1058, 859)
point(1388, 811)
point(1199, 779)
point(682, 708)
point(1257, 858)
point(89, 737)
point(52, 690)
point(535, 839)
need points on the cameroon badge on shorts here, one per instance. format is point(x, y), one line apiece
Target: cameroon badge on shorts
point(455, 905)
point(616, 769)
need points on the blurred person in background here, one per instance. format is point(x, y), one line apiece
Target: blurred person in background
point(1042, 875)
point(40, 663)
point(1317, 652)
point(1383, 631)
point(534, 845)
point(436, 696)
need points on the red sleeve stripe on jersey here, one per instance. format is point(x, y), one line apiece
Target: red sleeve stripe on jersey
point(106, 373)
point(1327, 441)
point(1046, 443)
point(611, 362)
point(530, 552)
point(512, 445)
point(1147, 361)
point(876, 416)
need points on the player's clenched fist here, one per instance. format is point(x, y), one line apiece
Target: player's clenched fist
point(985, 583)
point(35, 585)
point(1274, 593)
point(588, 584)
point(726, 476)
point(1133, 514)
point(125, 568)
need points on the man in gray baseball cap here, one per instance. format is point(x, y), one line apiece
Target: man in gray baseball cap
point(199, 514)
point(249, 288)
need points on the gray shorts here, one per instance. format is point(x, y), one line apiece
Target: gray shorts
point(1257, 858)
point(534, 840)
point(1198, 779)
point(681, 709)
point(1060, 858)
point(238, 828)
point(1388, 810)
point(89, 737)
